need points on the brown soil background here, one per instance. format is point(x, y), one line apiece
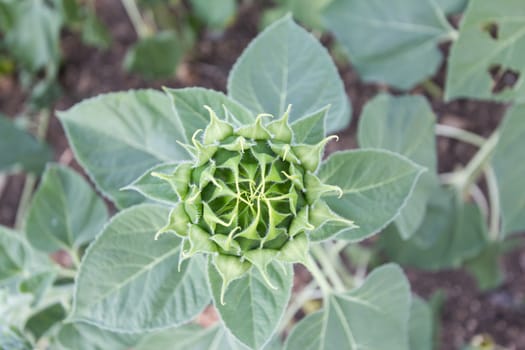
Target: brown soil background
point(87, 72)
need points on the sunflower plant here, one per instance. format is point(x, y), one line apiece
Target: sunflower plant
point(216, 197)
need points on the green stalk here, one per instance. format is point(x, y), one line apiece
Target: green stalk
point(433, 89)
point(306, 294)
point(327, 267)
point(459, 134)
point(495, 208)
point(30, 181)
point(474, 168)
point(318, 276)
point(141, 27)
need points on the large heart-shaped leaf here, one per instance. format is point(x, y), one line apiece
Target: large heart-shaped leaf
point(21, 149)
point(65, 213)
point(486, 62)
point(373, 316)
point(118, 136)
point(251, 310)
point(510, 170)
point(451, 232)
point(286, 65)
point(376, 184)
point(395, 42)
point(404, 125)
point(129, 282)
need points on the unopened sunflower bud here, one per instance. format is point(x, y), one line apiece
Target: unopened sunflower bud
point(250, 197)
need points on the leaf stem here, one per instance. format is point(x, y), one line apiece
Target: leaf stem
point(307, 293)
point(433, 89)
point(459, 134)
point(319, 277)
point(327, 267)
point(68, 273)
point(474, 168)
point(30, 181)
point(495, 208)
point(140, 26)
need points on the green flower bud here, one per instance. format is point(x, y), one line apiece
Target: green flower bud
point(250, 196)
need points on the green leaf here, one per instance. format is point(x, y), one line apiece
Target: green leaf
point(82, 336)
point(216, 14)
point(65, 213)
point(189, 108)
point(451, 232)
point(34, 37)
point(17, 259)
point(155, 188)
point(421, 325)
point(307, 12)
point(24, 150)
point(38, 285)
point(486, 61)
point(125, 259)
point(116, 137)
point(157, 56)
point(391, 42)
point(12, 339)
point(376, 185)
point(252, 311)
point(286, 65)
point(404, 125)
point(373, 316)
point(310, 129)
point(486, 267)
point(42, 321)
point(95, 33)
point(510, 170)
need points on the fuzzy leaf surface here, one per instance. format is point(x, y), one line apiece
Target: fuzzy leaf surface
point(310, 129)
point(376, 185)
point(261, 307)
point(116, 137)
point(65, 212)
point(486, 62)
point(286, 65)
point(155, 188)
point(404, 125)
point(510, 170)
point(391, 42)
point(123, 260)
point(382, 301)
point(82, 336)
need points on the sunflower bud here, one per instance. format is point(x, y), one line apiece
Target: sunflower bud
point(249, 197)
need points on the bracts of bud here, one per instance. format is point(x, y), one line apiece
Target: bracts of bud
point(249, 197)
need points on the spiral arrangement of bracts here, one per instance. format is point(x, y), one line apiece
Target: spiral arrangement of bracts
point(249, 197)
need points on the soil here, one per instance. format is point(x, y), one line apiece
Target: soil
point(86, 72)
